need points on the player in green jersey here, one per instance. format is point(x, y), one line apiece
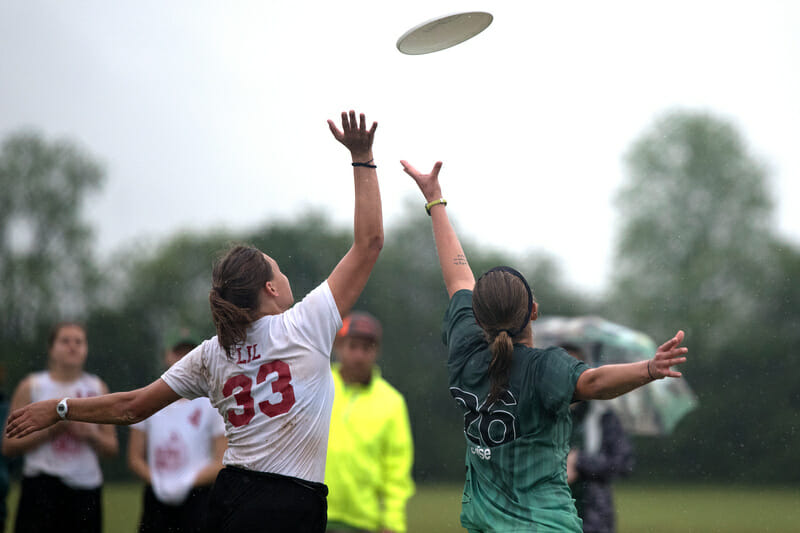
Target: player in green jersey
point(516, 398)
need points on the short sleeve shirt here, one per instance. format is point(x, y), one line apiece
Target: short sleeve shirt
point(517, 446)
point(276, 392)
point(180, 443)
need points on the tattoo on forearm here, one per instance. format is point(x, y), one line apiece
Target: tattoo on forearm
point(460, 259)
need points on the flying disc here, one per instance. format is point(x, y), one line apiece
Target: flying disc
point(443, 32)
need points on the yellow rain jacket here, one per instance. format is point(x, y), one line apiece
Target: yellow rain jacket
point(370, 453)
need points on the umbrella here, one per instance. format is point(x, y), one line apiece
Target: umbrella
point(654, 409)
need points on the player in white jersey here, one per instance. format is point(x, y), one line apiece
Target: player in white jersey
point(61, 484)
point(267, 371)
point(178, 453)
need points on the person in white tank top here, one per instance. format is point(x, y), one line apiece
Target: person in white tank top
point(178, 453)
point(61, 471)
point(267, 371)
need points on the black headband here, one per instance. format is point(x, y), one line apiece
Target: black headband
point(513, 332)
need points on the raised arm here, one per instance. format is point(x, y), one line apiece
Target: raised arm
point(350, 276)
point(455, 268)
point(609, 381)
point(120, 408)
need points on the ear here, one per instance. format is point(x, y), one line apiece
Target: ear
point(535, 311)
point(271, 290)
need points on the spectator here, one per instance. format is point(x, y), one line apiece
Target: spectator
point(600, 453)
point(370, 451)
point(178, 453)
point(62, 480)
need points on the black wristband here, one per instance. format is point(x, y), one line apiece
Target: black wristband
point(648, 371)
point(367, 164)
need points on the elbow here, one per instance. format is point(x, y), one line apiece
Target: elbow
point(370, 248)
point(8, 449)
point(130, 409)
point(590, 387)
point(374, 243)
point(110, 450)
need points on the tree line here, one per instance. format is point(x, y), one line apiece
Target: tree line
point(697, 250)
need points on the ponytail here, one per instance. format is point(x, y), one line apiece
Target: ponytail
point(230, 321)
point(502, 302)
point(237, 280)
point(502, 348)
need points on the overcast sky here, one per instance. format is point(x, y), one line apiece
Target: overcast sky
point(212, 114)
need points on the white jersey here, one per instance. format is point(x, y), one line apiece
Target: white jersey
point(276, 393)
point(72, 460)
point(179, 445)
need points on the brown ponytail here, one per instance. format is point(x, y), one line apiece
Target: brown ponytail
point(236, 281)
point(502, 349)
point(502, 302)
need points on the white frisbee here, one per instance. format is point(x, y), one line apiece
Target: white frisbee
point(443, 32)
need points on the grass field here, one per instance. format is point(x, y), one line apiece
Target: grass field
point(640, 509)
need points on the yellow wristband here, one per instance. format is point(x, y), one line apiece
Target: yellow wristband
point(433, 203)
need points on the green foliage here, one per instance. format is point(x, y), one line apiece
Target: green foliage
point(696, 253)
point(693, 241)
point(47, 269)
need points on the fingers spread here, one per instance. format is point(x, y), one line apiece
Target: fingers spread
point(353, 123)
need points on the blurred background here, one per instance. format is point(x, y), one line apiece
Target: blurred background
point(636, 161)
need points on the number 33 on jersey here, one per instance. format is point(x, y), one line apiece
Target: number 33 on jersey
point(272, 391)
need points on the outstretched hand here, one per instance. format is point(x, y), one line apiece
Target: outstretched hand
point(668, 355)
point(427, 183)
point(354, 134)
point(32, 417)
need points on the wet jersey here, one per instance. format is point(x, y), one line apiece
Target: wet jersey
point(516, 447)
point(276, 392)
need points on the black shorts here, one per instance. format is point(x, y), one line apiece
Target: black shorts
point(47, 505)
point(243, 501)
point(187, 517)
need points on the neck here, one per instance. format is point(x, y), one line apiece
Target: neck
point(268, 307)
point(354, 378)
point(64, 373)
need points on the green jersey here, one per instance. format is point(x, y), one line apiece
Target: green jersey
point(516, 447)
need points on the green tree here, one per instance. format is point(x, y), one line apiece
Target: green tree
point(696, 252)
point(47, 266)
point(695, 229)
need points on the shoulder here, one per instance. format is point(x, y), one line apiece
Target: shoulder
point(388, 394)
point(22, 394)
point(95, 380)
point(460, 304)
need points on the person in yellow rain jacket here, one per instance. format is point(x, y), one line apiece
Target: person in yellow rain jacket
point(370, 449)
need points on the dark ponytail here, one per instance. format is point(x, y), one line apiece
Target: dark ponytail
point(502, 349)
point(502, 302)
point(236, 281)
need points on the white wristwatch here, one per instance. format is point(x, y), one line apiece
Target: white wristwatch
point(62, 409)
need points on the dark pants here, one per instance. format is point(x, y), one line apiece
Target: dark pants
point(243, 501)
point(47, 505)
point(187, 517)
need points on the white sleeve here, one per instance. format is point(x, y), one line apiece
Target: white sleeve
point(186, 377)
point(216, 424)
point(316, 318)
